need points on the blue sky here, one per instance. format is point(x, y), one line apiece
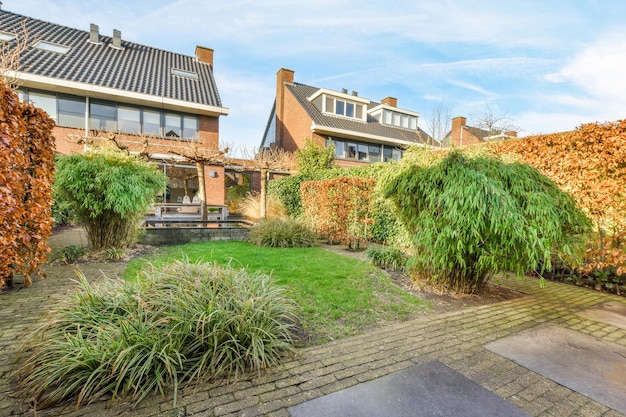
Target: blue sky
point(550, 65)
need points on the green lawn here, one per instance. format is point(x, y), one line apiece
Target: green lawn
point(337, 295)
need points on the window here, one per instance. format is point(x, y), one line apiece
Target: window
point(151, 123)
point(6, 37)
point(396, 154)
point(129, 120)
point(71, 111)
point(344, 108)
point(339, 107)
point(350, 109)
point(46, 102)
point(387, 117)
point(102, 116)
point(374, 153)
point(404, 121)
point(339, 145)
point(183, 73)
point(351, 151)
point(362, 155)
point(387, 154)
point(172, 125)
point(52, 47)
point(190, 127)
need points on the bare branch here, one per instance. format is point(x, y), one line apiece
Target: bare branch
point(438, 125)
point(11, 53)
point(496, 124)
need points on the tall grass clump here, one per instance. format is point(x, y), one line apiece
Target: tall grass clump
point(250, 207)
point(282, 233)
point(179, 322)
point(388, 257)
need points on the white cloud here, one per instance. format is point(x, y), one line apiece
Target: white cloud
point(599, 68)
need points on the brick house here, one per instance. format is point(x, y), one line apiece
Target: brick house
point(460, 134)
point(92, 84)
point(362, 131)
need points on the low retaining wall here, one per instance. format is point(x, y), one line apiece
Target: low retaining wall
point(177, 235)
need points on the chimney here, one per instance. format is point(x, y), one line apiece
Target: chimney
point(390, 101)
point(456, 133)
point(117, 39)
point(355, 93)
point(94, 35)
point(344, 90)
point(204, 55)
point(282, 76)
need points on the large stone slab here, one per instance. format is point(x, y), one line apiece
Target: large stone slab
point(430, 389)
point(611, 312)
point(591, 366)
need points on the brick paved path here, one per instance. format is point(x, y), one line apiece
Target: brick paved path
point(456, 339)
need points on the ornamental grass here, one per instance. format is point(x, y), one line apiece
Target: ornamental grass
point(179, 322)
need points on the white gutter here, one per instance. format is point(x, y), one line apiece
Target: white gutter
point(351, 135)
point(95, 91)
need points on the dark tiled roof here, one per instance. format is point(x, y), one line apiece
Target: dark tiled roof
point(479, 133)
point(371, 127)
point(134, 68)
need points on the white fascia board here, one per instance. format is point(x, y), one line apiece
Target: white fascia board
point(349, 134)
point(345, 96)
point(396, 109)
point(95, 91)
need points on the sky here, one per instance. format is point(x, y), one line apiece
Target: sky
point(546, 65)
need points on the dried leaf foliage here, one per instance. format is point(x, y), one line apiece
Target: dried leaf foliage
point(26, 175)
point(339, 209)
point(589, 163)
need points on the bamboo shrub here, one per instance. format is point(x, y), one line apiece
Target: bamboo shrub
point(110, 192)
point(472, 217)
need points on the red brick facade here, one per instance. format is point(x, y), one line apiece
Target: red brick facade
point(459, 135)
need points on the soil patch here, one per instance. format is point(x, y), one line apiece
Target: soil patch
point(440, 302)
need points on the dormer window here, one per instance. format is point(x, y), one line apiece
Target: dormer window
point(340, 104)
point(52, 47)
point(341, 107)
point(397, 119)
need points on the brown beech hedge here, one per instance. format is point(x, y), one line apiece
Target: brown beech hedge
point(26, 176)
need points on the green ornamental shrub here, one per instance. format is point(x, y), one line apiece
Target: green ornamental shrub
point(110, 192)
point(180, 322)
point(282, 233)
point(472, 217)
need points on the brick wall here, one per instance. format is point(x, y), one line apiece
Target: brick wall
point(461, 136)
point(214, 185)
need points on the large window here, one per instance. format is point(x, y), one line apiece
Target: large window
point(190, 127)
point(46, 102)
point(151, 123)
point(102, 116)
point(71, 111)
point(405, 121)
point(129, 120)
point(344, 108)
point(361, 151)
point(172, 125)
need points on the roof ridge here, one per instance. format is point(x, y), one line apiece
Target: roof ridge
point(99, 34)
